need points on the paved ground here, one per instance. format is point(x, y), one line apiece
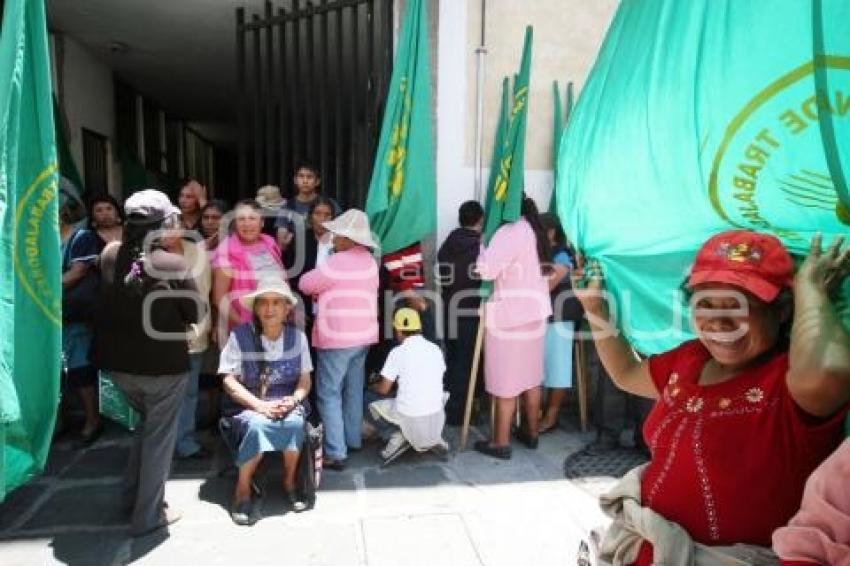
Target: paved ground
point(466, 510)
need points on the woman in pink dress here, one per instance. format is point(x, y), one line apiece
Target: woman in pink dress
point(514, 327)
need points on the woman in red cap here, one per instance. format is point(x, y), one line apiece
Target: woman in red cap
point(743, 413)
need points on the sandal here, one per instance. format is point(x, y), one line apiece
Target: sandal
point(295, 503)
point(242, 513)
point(547, 429)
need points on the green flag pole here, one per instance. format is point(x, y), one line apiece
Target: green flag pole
point(30, 289)
point(401, 201)
point(504, 196)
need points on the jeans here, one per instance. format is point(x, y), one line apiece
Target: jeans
point(186, 443)
point(385, 429)
point(340, 391)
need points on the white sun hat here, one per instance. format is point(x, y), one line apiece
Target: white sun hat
point(269, 287)
point(354, 225)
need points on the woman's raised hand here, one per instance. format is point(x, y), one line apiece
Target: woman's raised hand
point(824, 271)
point(588, 285)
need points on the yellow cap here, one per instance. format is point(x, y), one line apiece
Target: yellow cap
point(407, 320)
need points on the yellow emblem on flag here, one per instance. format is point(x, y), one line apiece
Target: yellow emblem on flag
point(500, 190)
point(397, 153)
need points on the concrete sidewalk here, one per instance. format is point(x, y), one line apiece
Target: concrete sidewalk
point(465, 510)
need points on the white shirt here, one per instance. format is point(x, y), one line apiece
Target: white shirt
point(324, 247)
point(264, 264)
point(418, 366)
point(231, 356)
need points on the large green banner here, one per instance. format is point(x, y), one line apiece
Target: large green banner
point(402, 202)
point(30, 278)
point(700, 117)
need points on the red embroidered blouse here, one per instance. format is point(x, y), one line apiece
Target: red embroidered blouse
point(729, 460)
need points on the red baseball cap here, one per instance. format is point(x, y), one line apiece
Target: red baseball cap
point(757, 263)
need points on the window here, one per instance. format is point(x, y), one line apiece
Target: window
point(95, 162)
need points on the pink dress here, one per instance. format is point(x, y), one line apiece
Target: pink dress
point(515, 316)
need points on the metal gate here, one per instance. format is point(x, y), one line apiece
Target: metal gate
point(313, 79)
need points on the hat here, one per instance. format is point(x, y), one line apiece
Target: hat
point(354, 225)
point(268, 196)
point(151, 204)
point(757, 263)
point(407, 320)
point(269, 286)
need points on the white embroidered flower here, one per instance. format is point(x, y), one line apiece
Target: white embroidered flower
point(694, 404)
point(754, 395)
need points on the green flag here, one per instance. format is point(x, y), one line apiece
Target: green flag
point(558, 132)
point(67, 167)
point(498, 143)
point(700, 117)
point(401, 203)
point(30, 287)
point(507, 172)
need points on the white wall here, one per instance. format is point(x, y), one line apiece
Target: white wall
point(567, 36)
point(87, 97)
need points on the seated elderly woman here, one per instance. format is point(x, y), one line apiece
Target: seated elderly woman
point(743, 414)
point(266, 367)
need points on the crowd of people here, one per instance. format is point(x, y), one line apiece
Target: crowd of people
point(273, 308)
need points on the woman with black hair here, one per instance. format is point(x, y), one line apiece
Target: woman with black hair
point(105, 219)
point(141, 340)
point(318, 245)
point(211, 215)
point(566, 312)
point(80, 250)
point(514, 326)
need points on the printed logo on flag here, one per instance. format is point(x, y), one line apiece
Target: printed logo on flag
point(398, 142)
point(504, 178)
point(33, 217)
point(771, 165)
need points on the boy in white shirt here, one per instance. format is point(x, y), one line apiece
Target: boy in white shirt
point(414, 417)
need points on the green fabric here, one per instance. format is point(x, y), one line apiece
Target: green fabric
point(134, 176)
point(507, 170)
point(558, 132)
point(113, 404)
point(30, 289)
point(699, 117)
point(401, 203)
point(495, 161)
point(67, 167)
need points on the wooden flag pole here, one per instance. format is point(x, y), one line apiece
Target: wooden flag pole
point(581, 381)
point(473, 382)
